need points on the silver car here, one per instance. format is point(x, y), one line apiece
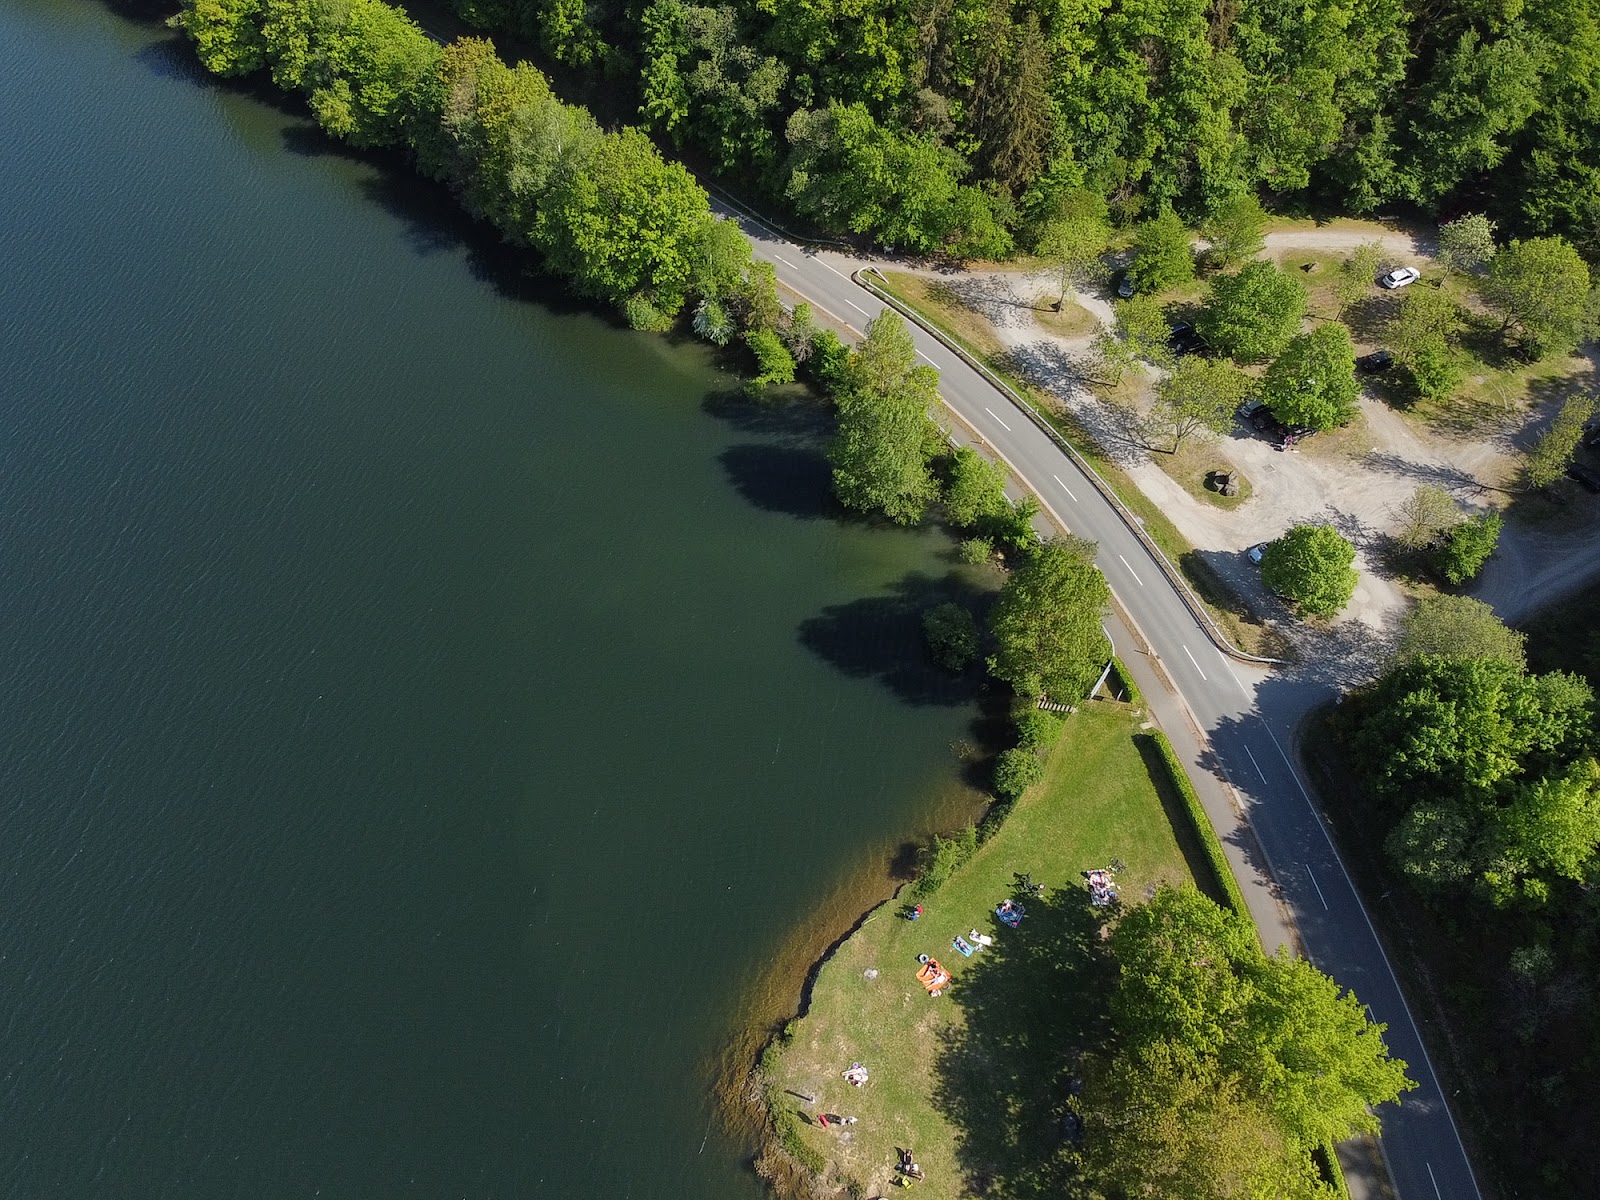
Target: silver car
point(1400, 277)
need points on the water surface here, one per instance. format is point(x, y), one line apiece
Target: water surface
point(424, 708)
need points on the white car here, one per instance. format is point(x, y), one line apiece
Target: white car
point(1399, 277)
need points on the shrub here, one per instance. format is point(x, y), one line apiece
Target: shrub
point(1037, 730)
point(977, 550)
point(1015, 771)
point(1468, 547)
point(714, 322)
point(643, 315)
point(942, 858)
point(773, 364)
point(974, 489)
point(827, 359)
point(1209, 842)
point(952, 635)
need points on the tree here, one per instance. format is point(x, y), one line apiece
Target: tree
point(226, 34)
point(1548, 459)
point(1012, 99)
point(1356, 274)
point(1141, 332)
point(881, 451)
point(1312, 382)
point(1074, 238)
point(1423, 337)
point(1163, 253)
point(714, 322)
point(974, 489)
point(1250, 316)
point(1540, 288)
point(1311, 566)
point(1458, 627)
point(952, 635)
point(1199, 395)
point(1046, 623)
point(1427, 514)
point(1236, 230)
point(1196, 989)
point(1466, 243)
point(1467, 547)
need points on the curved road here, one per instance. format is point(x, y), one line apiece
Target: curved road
point(1221, 718)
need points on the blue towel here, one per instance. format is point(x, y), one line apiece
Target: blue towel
point(961, 944)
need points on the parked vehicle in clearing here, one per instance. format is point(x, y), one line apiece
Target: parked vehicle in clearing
point(1586, 477)
point(1125, 287)
point(1185, 339)
point(1282, 436)
point(1375, 363)
point(1251, 407)
point(1399, 278)
point(1255, 552)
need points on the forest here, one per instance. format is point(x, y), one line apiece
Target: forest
point(955, 126)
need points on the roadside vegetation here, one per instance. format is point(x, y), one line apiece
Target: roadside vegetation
point(1465, 788)
point(1036, 1068)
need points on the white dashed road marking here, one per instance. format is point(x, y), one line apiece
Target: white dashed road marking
point(1324, 900)
point(1139, 581)
point(1197, 666)
point(1065, 488)
point(992, 413)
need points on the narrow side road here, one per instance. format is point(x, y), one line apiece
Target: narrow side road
point(1230, 723)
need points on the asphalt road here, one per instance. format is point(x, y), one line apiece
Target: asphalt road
point(1231, 710)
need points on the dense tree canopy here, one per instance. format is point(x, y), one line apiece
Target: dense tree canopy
point(1495, 767)
point(1228, 1065)
point(1312, 381)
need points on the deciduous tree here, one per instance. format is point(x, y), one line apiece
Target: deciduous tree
point(1163, 253)
point(885, 438)
point(1251, 315)
point(1199, 395)
point(1312, 382)
point(1548, 459)
point(1466, 243)
point(1237, 230)
point(1458, 627)
point(1540, 289)
point(1311, 566)
point(974, 489)
point(1046, 623)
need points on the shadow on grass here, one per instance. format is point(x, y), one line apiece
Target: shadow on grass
point(1177, 813)
point(1032, 1005)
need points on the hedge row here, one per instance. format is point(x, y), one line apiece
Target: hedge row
point(1201, 823)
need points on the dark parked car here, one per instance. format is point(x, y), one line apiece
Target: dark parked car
point(1125, 287)
point(1185, 339)
point(1280, 435)
point(1586, 476)
point(1375, 363)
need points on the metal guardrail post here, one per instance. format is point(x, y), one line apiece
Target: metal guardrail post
point(1179, 584)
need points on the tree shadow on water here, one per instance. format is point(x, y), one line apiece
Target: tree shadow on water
point(1032, 1005)
point(792, 480)
point(880, 637)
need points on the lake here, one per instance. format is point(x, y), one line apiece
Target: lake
point(435, 721)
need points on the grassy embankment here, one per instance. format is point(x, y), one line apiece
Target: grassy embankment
point(974, 334)
point(973, 1080)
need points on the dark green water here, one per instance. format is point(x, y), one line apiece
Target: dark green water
point(424, 712)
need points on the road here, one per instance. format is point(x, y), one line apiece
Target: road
point(1220, 715)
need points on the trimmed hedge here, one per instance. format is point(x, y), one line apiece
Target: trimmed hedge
point(1123, 682)
point(1202, 823)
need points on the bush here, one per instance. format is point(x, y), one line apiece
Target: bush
point(974, 489)
point(1467, 547)
point(1037, 730)
point(952, 635)
point(643, 315)
point(1015, 771)
point(1123, 682)
point(714, 322)
point(942, 858)
point(827, 359)
point(977, 550)
point(1310, 566)
point(773, 363)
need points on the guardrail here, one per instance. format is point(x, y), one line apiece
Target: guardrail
point(799, 239)
point(1175, 577)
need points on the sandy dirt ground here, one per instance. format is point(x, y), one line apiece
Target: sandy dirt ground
point(1355, 479)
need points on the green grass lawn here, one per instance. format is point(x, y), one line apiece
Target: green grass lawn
point(973, 1081)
